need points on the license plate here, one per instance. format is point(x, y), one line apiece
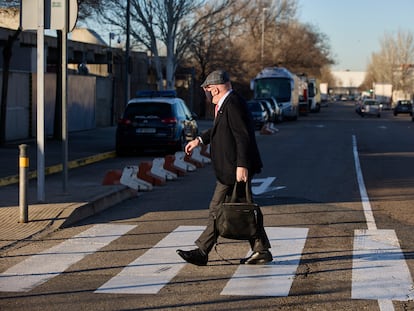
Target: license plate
point(145, 130)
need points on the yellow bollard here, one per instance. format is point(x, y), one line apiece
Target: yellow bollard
point(23, 182)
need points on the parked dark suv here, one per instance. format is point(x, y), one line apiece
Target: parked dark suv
point(155, 120)
point(403, 106)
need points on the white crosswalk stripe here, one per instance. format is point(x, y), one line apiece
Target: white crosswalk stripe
point(45, 265)
point(379, 268)
point(274, 279)
point(154, 269)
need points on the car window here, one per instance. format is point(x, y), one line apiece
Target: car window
point(146, 109)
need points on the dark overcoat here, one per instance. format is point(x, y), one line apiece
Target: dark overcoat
point(232, 140)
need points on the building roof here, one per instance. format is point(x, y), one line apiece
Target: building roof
point(87, 35)
point(349, 78)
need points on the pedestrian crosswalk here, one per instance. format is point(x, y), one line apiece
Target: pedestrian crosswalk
point(379, 268)
point(39, 268)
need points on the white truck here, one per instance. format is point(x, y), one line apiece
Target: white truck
point(383, 94)
point(314, 95)
point(323, 87)
point(287, 88)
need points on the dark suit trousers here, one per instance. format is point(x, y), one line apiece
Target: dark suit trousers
point(207, 239)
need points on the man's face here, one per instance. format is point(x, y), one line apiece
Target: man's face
point(210, 92)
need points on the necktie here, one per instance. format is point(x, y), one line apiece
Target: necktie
point(216, 108)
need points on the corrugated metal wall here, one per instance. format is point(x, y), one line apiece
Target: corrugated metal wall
point(90, 104)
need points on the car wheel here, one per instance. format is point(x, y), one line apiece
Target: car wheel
point(395, 114)
point(379, 115)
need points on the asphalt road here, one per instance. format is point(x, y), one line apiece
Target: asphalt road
point(345, 192)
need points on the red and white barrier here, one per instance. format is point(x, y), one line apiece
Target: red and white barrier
point(130, 179)
point(169, 166)
point(112, 177)
point(159, 170)
point(181, 163)
point(144, 172)
point(268, 129)
point(198, 156)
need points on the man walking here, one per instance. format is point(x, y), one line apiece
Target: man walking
point(235, 157)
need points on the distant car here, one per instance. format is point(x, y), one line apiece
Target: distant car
point(155, 120)
point(259, 113)
point(403, 106)
point(370, 107)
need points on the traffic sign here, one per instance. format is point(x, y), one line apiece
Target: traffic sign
point(56, 12)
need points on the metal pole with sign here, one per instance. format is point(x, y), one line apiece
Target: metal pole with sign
point(41, 15)
point(40, 103)
point(64, 78)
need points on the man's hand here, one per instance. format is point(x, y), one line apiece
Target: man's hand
point(242, 174)
point(191, 145)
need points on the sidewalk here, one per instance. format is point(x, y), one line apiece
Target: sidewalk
point(85, 196)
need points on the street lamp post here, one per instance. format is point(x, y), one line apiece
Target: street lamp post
point(127, 47)
point(263, 30)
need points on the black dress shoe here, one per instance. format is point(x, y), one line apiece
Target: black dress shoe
point(258, 258)
point(195, 256)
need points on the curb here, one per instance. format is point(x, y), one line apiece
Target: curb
point(73, 214)
point(14, 179)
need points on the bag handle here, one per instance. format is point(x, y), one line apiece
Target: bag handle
point(248, 193)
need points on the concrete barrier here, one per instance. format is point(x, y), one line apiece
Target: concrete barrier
point(159, 170)
point(268, 129)
point(181, 163)
point(205, 151)
point(144, 173)
point(130, 179)
point(169, 165)
point(112, 177)
point(198, 156)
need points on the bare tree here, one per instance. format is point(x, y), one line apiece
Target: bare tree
point(393, 63)
point(161, 27)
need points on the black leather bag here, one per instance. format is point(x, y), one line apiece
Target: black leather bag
point(235, 220)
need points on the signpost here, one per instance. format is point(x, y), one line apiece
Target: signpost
point(41, 15)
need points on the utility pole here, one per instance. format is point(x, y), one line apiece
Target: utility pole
point(127, 81)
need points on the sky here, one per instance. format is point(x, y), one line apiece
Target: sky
point(356, 27)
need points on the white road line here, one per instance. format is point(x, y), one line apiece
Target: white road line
point(369, 216)
point(41, 267)
point(273, 279)
point(154, 269)
point(379, 269)
point(264, 185)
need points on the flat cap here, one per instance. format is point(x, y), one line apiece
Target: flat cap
point(216, 77)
